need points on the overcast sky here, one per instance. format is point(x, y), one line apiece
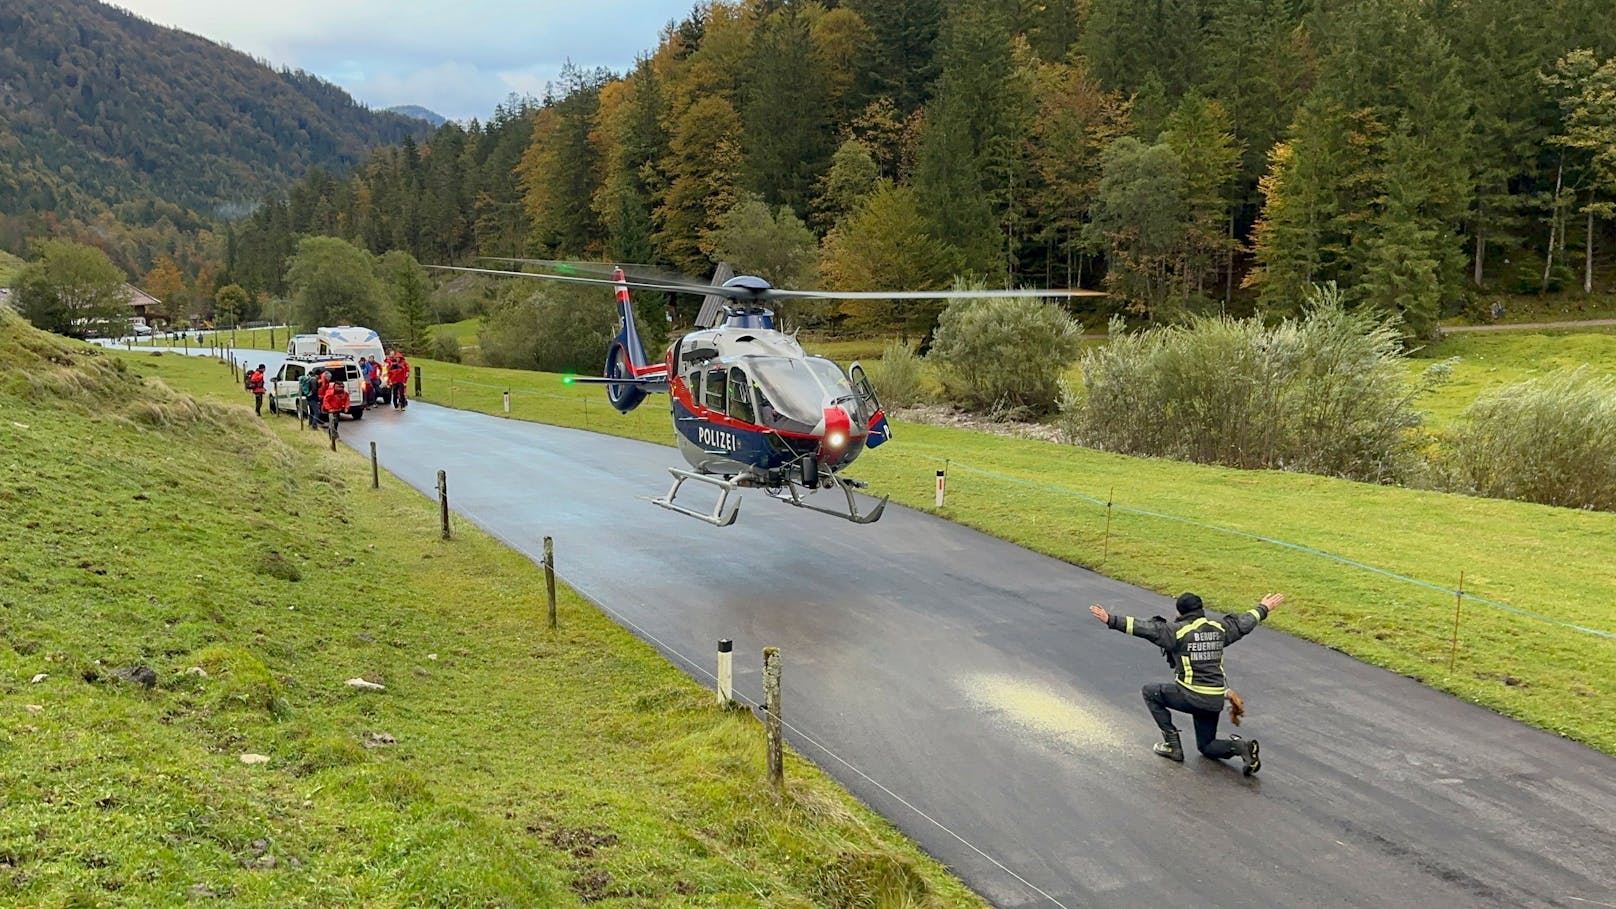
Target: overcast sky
point(459, 58)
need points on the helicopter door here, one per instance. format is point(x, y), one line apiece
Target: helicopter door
point(740, 402)
point(869, 406)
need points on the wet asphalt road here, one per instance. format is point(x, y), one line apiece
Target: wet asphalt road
point(958, 685)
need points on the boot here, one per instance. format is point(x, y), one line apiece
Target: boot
point(1247, 749)
point(1169, 747)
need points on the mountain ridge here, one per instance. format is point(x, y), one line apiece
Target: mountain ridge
point(99, 107)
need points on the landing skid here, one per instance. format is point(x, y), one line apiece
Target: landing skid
point(788, 494)
point(725, 511)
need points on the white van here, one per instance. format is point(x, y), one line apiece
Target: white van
point(359, 343)
point(283, 387)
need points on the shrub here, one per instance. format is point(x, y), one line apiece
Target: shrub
point(446, 348)
point(898, 376)
point(555, 329)
point(1004, 356)
point(1550, 440)
point(1324, 394)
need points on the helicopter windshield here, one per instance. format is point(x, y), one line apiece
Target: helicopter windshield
point(801, 389)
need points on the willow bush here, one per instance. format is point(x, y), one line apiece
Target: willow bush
point(1550, 440)
point(899, 376)
point(1324, 393)
point(1004, 355)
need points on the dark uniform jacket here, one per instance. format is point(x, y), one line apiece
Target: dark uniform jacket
point(1193, 645)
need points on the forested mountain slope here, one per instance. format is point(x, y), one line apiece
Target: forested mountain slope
point(99, 107)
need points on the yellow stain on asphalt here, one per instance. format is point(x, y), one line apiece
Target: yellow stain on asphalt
point(1045, 712)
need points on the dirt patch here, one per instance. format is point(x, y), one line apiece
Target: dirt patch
point(581, 842)
point(939, 415)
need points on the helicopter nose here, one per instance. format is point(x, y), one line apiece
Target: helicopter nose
point(838, 431)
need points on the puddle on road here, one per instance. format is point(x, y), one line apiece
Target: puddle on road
point(1045, 712)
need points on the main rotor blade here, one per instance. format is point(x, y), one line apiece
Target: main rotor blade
point(776, 294)
point(733, 293)
point(749, 295)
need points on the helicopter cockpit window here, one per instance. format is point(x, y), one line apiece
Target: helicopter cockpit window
point(801, 389)
point(740, 402)
point(714, 390)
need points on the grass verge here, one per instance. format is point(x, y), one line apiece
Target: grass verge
point(1550, 561)
point(511, 766)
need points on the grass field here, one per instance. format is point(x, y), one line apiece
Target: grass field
point(513, 766)
point(1548, 561)
point(1492, 360)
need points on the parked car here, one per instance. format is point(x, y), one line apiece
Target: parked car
point(283, 387)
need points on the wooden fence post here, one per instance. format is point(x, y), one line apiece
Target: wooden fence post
point(417, 381)
point(375, 469)
point(443, 501)
point(549, 581)
point(771, 716)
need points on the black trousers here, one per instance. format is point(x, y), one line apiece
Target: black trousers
point(1164, 697)
point(258, 402)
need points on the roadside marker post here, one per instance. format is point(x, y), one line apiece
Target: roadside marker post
point(942, 483)
point(443, 501)
point(726, 662)
point(771, 717)
point(549, 581)
point(1110, 498)
point(1458, 601)
point(507, 401)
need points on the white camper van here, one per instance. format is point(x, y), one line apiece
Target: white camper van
point(354, 341)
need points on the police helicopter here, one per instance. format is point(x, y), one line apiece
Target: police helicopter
point(750, 407)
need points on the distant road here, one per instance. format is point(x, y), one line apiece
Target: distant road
point(1527, 326)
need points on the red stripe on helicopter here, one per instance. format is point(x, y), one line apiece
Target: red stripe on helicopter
point(681, 393)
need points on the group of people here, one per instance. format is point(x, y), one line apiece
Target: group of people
point(327, 394)
point(386, 381)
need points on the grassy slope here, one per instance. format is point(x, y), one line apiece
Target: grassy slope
point(1546, 560)
point(1492, 360)
point(8, 267)
point(531, 768)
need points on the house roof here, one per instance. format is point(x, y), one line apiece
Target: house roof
point(139, 299)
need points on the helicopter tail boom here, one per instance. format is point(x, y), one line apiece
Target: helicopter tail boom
point(629, 374)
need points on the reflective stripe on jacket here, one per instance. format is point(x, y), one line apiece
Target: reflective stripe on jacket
point(1193, 645)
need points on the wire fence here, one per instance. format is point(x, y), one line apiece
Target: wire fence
point(1468, 596)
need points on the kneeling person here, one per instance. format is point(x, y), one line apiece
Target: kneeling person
point(1193, 645)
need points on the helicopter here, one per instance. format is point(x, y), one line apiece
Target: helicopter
point(750, 407)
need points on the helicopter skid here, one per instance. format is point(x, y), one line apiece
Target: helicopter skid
point(790, 497)
point(720, 516)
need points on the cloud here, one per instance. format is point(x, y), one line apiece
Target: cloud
point(459, 59)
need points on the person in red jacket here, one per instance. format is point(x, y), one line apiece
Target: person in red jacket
point(255, 384)
point(398, 372)
point(335, 401)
